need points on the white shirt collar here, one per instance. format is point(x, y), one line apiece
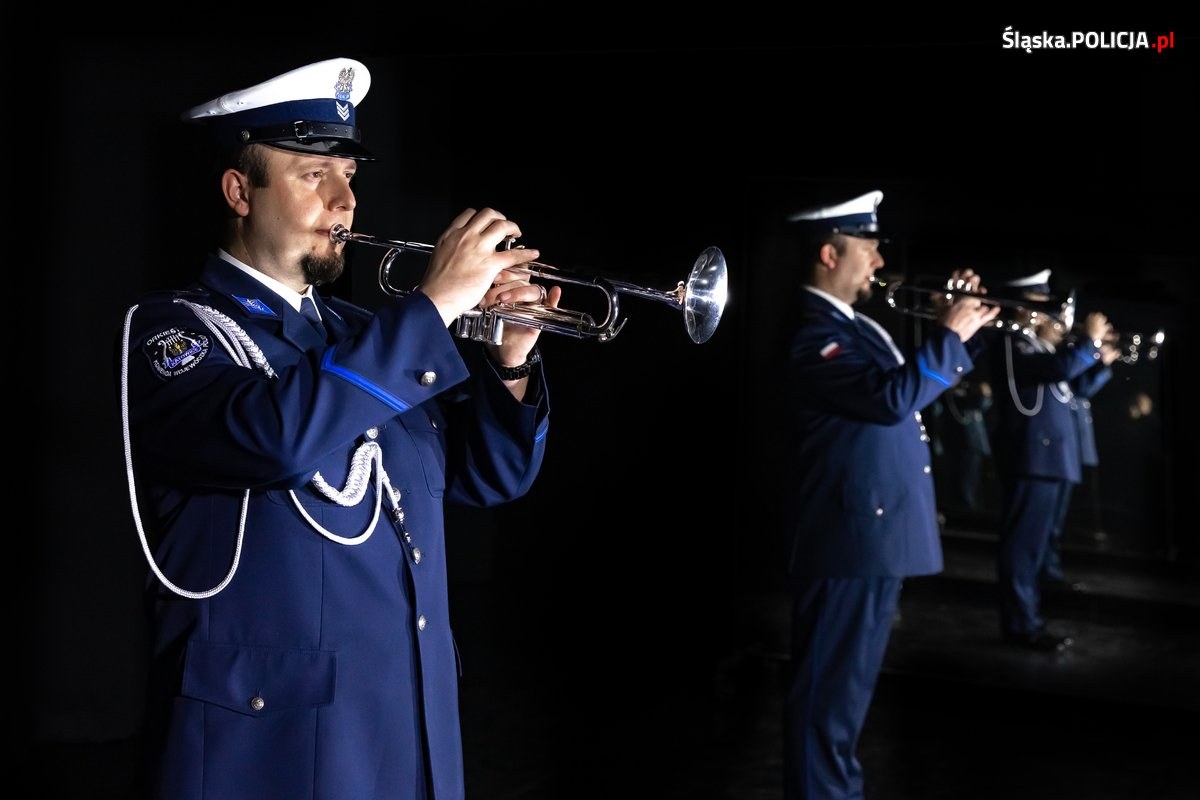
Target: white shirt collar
point(841, 305)
point(286, 292)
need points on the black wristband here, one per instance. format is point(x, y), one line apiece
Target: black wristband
point(520, 371)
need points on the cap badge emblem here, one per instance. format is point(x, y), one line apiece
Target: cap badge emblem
point(344, 84)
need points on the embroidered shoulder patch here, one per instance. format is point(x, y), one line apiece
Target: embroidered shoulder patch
point(175, 351)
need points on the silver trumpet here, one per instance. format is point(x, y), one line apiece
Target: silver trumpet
point(1134, 348)
point(1015, 313)
point(701, 298)
point(1019, 314)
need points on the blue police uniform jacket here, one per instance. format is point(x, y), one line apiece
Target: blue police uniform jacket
point(1036, 434)
point(325, 667)
point(863, 501)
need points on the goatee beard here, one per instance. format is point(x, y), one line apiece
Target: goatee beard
point(320, 270)
point(865, 294)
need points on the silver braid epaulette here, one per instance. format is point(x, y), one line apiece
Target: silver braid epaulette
point(359, 479)
point(237, 342)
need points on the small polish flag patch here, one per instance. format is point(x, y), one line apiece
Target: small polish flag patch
point(830, 350)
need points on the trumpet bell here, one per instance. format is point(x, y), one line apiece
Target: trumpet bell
point(704, 294)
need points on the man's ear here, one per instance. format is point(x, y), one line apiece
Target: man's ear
point(235, 188)
point(828, 256)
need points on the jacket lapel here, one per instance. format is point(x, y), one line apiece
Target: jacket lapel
point(255, 302)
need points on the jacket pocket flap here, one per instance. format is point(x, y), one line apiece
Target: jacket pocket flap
point(258, 680)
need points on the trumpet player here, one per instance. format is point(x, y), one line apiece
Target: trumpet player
point(1083, 388)
point(1037, 445)
point(864, 515)
point(290, 454)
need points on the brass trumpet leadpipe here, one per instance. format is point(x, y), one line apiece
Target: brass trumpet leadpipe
point(340, 233)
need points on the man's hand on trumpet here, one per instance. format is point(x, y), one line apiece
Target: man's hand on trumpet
point(469, 270)
point(466, 263)
point(962, 309)
point(519, 340)
point(1098, 328)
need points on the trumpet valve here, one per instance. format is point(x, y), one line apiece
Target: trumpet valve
point(479, 326)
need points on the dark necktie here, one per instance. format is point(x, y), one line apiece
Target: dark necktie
point(309, 309)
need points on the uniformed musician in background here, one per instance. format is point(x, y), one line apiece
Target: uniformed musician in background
point(1035, 444)
point(862, 513)
point(1083, 388)
point(292, 471)
point(966, 445)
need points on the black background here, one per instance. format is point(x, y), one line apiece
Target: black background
point(618, 150)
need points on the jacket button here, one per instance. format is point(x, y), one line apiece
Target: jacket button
point(926, 469)
point(257, 703)
point(416, 555)
point(879, 512)
point(427, 378)
point(421, 622)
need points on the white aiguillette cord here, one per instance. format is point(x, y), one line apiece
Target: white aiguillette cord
point(1059, 394)
point(244, 352)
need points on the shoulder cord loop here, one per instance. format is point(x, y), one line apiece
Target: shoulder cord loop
point(1012, 383)
point(1061, 394)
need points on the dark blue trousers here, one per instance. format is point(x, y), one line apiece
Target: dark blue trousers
point(840, 631)
point(1028, 518)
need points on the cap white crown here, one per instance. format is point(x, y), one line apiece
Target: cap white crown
point(313, 82)
point(1036, 279)
point(864, 204)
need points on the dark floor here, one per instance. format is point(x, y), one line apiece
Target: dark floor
point(956, 713)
